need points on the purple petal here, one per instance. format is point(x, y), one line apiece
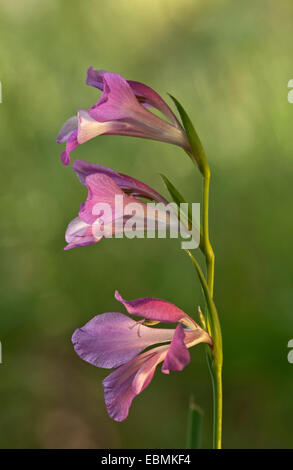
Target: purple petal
point(105, 213)
point(84, 169)
point(66, 130)
point(125, 182)
point(71, 145)
point(130, 379)
point(95, 78)
point(110, 215)
point(102, 191)
point(119, 112)
point(178, 355)
point(112, 339)
point(117, 100)
point(145, 95)
point(153, 309)
point(150, 98)
point(78, 233)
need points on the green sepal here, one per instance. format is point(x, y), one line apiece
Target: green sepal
point(176, 195)
point(178, 199)
point(197, 150)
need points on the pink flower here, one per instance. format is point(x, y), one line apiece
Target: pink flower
point(121, 110)
point(101, 217)
point(114, 340)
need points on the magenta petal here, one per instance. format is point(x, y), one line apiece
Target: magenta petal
point(178, 355)
point(125, 182)
point(152, 309)
point(79, 233)
point(130, 379)
point(102, 190)
point(119, 112)
point(95, 78)
point(84, 169)
point(66, 130)
point(145, 95)
point(71, 145)
point(111, 339)
point(76, 228)
point(116, 101)
point(105, 213)
point(150, 98)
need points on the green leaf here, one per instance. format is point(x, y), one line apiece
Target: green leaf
point(195, 143)
point(176, 196)
point(174, 193)
point(178, 199)
point(194, 426)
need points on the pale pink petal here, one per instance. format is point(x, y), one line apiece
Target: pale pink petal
point(130, 379)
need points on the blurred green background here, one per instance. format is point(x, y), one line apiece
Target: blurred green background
point(229, 63)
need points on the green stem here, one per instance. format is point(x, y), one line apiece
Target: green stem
point(213, 319)
point(197, 153)
point(215, 359)
point(207, 247)
point(215, 363)
point(216, 376)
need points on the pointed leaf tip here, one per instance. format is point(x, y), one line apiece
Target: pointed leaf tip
point(178, 199)
point(174, 193)
point(194, 140)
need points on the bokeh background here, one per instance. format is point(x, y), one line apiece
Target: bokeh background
point(229, 63)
